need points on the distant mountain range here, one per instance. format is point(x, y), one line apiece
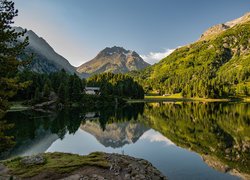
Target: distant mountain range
point(46, 60)
point(115, 60)
point(222, 51)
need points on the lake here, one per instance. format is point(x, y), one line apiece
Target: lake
point(184, 140)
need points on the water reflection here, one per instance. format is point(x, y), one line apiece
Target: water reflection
point(219, 132)
point(115, 135)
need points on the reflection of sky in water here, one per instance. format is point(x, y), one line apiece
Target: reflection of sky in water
point(173, 161)
point(154, 136)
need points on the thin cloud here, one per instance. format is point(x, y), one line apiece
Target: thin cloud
point(154, 136)
point(154, 57)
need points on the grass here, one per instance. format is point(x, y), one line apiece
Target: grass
point(56, 162)
point(178, 95)
point(247, 99)
point(244, 98)
point(179, 98)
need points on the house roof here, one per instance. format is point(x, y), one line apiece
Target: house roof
point(92, 88)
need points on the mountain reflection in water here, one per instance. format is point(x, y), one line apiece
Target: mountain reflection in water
point(158, 132)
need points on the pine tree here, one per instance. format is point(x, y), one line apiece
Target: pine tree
point(77, 89)
point(37, 95)
point(46, 90)
point(5, 141)
point(10, 48)
point(62, 93)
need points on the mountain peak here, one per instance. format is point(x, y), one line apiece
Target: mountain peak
point(113, 59)
point(224, 26)
point(115, 49)
point(45, 59)
point(109, 51)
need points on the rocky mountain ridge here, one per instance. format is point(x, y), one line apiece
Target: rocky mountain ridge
point(224, 26)
point(115, 60)
point(45, 59)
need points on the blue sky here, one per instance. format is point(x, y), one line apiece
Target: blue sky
point(79, 29)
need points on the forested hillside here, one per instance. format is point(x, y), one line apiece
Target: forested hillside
point(117, 84)
point(217, 65)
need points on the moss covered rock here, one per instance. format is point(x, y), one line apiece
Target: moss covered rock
point(96, 165)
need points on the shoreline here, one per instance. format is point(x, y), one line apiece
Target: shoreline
point(182, 99)
point(19, 106)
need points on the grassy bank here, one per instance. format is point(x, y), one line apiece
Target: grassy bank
point(55, 162)
point(179, 98)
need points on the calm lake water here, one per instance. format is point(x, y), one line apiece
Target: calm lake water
point(183, 140)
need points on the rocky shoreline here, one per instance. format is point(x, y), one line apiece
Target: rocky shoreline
point(95, 166)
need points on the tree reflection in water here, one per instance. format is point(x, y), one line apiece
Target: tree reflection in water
point(219, 132)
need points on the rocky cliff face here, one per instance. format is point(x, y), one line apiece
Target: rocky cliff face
point(45, 60)
point(224, 26)
point(115, 60)
point(116, 134)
